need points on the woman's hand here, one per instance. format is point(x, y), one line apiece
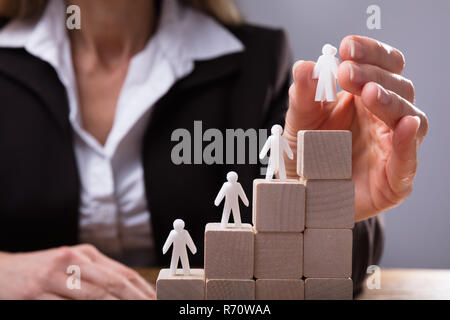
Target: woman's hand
point(42, 275)
point(378, 107)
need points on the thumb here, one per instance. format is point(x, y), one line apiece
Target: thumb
point(304, 113)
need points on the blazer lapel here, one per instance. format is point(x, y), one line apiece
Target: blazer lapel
point(211, 70)
point(40, 78)
point(204, 72)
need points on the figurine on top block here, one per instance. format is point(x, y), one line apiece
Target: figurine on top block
point(277, 145)
point(231, 191)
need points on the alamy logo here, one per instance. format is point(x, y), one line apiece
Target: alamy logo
point(212, 146)
point(374, 279)
point(374, 20)
point(73, 22)
point(73, 282)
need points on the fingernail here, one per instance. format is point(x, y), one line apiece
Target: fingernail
point(383, 96)
point(418, 123)
point(356, 74)
point(356, 50)
point(296, 64)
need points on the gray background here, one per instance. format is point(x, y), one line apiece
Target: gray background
point(418, 230)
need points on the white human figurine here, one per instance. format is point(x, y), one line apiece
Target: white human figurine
point(180, 238)
point(326, 71)
point(277, 145)
point(231, 191)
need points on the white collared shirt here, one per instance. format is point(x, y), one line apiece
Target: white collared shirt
point(113, 210)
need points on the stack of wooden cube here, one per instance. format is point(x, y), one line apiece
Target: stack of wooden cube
point(300, 244)
point(324, 165)
point(229, 262)
point(279, 221)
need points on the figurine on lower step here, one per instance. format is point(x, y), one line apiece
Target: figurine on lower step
point(179, 238)
point(231, 191)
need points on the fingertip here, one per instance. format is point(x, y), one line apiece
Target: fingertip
point(371, 93)
point(351, 49)
point(412, 123)
point(343, 75)
point(303, 109)
point(349, 77)
point(406, 131)
point(294, 67)
point(302, 71)
point(345, 49)
point(418, 122)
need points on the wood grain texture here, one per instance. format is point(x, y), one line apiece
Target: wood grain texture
point(324, 154)
point(410, 284)
point(278, 255)
point(278, 206)
point(230, 289)
point(397, 284)
point(229, 252)
point(328, 253)
point(180, 287)
point(279, 289)
point(328, 289)
point(330, 204)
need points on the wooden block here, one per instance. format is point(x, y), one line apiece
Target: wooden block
point(330, 204)
point(324, 154)
point(328, 253)
point(328, 289)
point(279, 289)
point(230, 289)
point(229, 252)
point(278, 205)
point(180, 287)
point(278, 255)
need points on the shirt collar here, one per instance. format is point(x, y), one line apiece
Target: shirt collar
point(184, 35)
point(199, 37)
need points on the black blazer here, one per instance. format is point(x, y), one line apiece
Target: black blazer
point(39, 182)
